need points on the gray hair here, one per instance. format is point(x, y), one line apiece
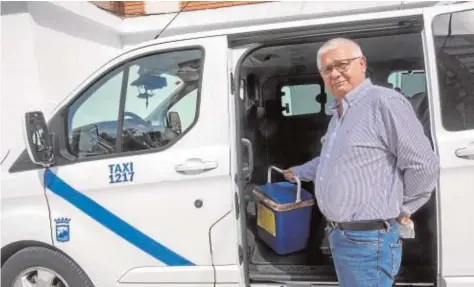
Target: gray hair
point(333, 44)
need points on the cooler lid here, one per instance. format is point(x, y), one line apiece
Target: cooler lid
point(283, 192)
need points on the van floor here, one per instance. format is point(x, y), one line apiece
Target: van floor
point(267, 266)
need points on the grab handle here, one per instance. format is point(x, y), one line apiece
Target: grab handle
point(298, 181)
point(247, 172)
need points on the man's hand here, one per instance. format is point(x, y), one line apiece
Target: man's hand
point(406, 227)
point(404, 220)
point(289, 175)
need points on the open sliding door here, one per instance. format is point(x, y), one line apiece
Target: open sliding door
point(449, 53)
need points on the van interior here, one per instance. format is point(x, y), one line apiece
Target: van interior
point(284, 110)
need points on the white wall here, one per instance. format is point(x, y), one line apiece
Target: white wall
point(153, 7)
point(47, 49)
point(69, 47)
point(20, 84)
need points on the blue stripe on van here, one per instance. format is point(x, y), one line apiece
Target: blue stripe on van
point(113, 222)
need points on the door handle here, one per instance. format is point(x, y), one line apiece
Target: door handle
point(247, 172)
point(195, 166)
point(466, 152)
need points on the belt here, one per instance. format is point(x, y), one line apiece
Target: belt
point(361, 225)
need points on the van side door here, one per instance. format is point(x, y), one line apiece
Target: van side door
point(449, 54)
point(142, 191)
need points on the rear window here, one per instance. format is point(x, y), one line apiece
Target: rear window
point(409, 83)
point(301, 100)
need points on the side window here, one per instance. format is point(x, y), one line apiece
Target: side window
point(300, 99)
point(454, 43)
point(161, 103)
point(93, 118)
point(409, 83)
point(161, 99)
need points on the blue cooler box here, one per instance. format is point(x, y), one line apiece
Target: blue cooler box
point(283, 215)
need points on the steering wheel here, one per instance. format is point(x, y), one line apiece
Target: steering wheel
point(135, 133)
point(136, 118)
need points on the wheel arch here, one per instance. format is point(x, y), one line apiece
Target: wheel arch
point(11, 249)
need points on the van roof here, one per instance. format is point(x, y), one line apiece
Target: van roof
point(234, 29)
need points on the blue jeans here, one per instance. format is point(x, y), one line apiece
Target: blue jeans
point(366, 258)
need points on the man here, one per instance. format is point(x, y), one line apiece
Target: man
point(376, 167)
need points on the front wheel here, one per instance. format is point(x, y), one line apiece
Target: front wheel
point(39, 266)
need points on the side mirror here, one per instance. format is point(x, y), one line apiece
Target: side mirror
point(37, 139)
point(175, 121)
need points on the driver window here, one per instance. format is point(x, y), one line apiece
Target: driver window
point(161, 103)
point(161, 99)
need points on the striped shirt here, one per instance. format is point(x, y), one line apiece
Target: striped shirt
point(375, 162)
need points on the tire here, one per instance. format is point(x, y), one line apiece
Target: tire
point(32, 257)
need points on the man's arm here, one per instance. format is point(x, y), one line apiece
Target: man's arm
point(307, 171)
point(404, 136)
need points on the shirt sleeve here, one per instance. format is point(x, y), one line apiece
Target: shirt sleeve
point(403, 135)
point(307, 171)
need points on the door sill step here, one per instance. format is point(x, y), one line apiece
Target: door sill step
point(325, 284)
point(304, 274)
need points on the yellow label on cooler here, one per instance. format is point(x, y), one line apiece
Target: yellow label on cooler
point(266, 219)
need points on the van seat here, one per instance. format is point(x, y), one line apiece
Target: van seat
point(419, 103)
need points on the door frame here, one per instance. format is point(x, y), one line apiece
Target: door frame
point(317, 27)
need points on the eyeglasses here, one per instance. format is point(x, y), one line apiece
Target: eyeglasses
point(340, 66)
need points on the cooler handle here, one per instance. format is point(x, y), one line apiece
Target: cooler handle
point(298, 181)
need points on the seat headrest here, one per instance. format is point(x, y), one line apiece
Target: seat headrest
point(419, 103)
point(418, 96)
point(254, 114)
point(252, 87)
point(273, 108)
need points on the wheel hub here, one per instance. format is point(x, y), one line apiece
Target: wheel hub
point(39, 277)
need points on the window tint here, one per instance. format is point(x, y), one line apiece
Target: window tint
point(409, 83)
point(161, 99)
point(300, 99)
point(92, 119)
point(454, 44)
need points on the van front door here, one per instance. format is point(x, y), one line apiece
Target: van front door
point(449, 50)
point(142, 191)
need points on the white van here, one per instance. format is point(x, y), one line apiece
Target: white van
point(143, 176)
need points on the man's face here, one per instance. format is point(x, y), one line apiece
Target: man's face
point(341, 70)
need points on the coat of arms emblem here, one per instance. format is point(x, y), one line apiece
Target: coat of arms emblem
point(62, 229)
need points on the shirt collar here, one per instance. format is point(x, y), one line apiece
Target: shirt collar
point(353, 96)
